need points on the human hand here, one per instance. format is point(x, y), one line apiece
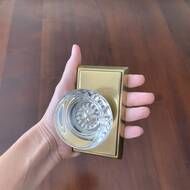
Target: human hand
point(67, 83)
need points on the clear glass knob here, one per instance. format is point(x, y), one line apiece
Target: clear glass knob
point(83, 119)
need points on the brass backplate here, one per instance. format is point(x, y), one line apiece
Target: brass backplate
point(108, 81)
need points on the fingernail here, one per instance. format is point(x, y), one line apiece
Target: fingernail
point(152, 97)
point(72, 49)
point(132, 132)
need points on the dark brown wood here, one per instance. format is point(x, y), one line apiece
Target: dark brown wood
point(150, 36)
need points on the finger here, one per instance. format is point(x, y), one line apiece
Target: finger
point(137, 98)
point(133, 132)
point(68, 79)
point(69, 74)
point(133, 114)
point(132, 80)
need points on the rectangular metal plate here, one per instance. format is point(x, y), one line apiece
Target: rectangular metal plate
point(108, 81)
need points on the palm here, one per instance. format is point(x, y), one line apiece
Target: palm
point(67, 83)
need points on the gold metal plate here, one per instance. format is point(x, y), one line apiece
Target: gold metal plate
point(108, 81)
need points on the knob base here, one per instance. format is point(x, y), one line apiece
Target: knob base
point(108, 81)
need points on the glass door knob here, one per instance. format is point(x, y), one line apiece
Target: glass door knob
point(83, 119)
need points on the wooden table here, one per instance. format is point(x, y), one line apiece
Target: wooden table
point(150, 36)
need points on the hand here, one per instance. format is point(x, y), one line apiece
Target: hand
point(67, 83)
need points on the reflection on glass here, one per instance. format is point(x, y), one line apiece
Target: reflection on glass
point(87, 115)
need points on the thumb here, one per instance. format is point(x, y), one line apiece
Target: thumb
point(67, 82)
point(68, 79)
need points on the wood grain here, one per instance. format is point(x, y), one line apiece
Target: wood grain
point(150, 36)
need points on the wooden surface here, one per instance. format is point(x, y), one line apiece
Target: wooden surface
point(150, 36)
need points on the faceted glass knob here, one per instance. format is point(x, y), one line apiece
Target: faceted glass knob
point(83, 119)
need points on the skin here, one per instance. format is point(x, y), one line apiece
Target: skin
point(40, 149)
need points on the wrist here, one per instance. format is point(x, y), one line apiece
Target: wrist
point(63, 151)
point(33, 156)
point(50, 141)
